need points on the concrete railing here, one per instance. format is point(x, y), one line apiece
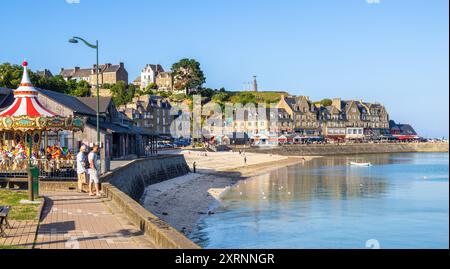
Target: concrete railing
point(162, 234)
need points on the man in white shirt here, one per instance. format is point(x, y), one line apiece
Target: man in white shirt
point(81, 168)
point(94, 171)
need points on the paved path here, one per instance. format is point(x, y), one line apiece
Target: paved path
point(117, 164)
point(78, 221)
point(21, 234)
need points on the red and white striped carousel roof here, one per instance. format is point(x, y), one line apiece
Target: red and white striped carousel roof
point(26, 102)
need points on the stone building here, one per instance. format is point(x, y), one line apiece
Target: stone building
point(150, 112)
point(108, 74)
point(164, 81)
point(342, 119)
point(304, 114)
point(45, 73)
point(285, 123)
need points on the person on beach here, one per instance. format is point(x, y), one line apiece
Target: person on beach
point(245, 160)
point(81, 168)
point(94, 172)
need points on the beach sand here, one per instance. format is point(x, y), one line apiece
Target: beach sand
point(183, 201)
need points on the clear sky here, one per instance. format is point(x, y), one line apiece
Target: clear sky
point(395, 51)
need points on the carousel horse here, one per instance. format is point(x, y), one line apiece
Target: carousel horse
point(56, 152)
point(20, 158)
point(4, 159)
point(35, 158)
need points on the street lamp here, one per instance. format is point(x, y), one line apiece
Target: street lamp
point(75, 40)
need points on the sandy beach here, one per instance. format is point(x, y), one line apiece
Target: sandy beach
point(183, 201)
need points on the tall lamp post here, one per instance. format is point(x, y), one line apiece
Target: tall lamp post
point(75, 40)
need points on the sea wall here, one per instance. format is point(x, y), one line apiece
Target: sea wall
point(125, 186)
point(162, 234)
point(349, 149)
point(134, 177)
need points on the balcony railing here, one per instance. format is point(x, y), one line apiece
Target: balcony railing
point(48, 169)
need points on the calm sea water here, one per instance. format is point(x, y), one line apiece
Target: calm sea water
point(401, 202)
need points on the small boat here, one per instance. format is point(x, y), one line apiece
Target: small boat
point(360, 164)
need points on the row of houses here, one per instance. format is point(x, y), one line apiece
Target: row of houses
point(299, 116)
point(342, 119)
point(112, 73)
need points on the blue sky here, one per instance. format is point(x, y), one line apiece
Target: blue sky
point(394, 52)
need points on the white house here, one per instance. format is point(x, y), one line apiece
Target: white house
point(149, 73)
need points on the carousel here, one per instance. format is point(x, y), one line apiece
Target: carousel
point(24, 130)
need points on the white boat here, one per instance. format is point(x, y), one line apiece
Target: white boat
point(360, 164)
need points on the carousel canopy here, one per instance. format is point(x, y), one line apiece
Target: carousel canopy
point(26, 113)
point(25, 100)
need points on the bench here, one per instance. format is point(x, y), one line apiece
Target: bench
point(4, 211)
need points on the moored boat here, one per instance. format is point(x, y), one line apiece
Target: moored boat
point(360, 164)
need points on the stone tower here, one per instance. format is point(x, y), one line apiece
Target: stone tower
point(255, 84)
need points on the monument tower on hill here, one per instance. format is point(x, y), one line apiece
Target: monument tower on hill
point(255, 84)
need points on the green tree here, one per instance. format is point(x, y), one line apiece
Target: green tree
point(150, 89)
point(131, 92)
point(246, 98)
point(221, 97)
point(326, 102)
point(57, 84)
point(206, 92)
point(179, 97)
point(82, 89)
point(187, 74)
point(119, 93)
point(10, 75)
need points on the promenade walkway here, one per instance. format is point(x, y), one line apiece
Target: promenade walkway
point(21, 234)
point(77, 221)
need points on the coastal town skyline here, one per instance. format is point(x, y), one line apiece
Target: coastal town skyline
point(245, 131)
point(365, 65)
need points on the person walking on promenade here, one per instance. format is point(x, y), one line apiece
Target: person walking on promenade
point(81, 168)
point(94, 171)
point(245, 160)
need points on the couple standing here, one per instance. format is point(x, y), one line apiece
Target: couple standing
point(88, 166)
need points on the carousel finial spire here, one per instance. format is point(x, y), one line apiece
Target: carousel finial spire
point(26, 77)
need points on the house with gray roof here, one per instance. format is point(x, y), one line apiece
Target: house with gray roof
point(108, 74)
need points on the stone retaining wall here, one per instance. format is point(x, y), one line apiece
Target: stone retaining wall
point(135, 176)
point(348, 149)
